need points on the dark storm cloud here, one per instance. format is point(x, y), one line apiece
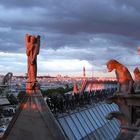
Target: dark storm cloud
point(70, 17)
point(92, 30)
point(23, 4)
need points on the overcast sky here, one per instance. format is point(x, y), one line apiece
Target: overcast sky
point(74, 33)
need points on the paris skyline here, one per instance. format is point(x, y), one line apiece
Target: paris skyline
point(73, 34)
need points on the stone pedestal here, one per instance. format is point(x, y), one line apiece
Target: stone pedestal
point(31, 87)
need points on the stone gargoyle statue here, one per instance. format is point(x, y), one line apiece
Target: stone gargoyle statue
point(125, 87)
point(136, 78)
point(124, 78)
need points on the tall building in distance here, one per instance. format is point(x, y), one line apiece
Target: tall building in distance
point(84, 72)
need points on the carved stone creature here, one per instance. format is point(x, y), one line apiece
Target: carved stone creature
point(32, 50)
point(137, 78)
point(123, 114)
point(123, 76)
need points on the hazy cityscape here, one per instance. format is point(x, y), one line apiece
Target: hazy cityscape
point(13, 86)
point(69, 70)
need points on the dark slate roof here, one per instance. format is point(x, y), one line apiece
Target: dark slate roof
point(33, 121)
point(4, 101)
point(137, 136)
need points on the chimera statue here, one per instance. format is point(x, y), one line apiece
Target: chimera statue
point(123, 76)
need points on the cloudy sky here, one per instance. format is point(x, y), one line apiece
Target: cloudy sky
point(74, 33)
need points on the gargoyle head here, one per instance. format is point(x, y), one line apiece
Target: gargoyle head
point(111, 64)
point(136, 70)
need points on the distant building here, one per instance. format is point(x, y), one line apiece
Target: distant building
point(84, 72)
point(4, 101)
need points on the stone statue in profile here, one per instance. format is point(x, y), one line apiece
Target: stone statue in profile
point(123, 76)
point(32, 50)
point(136, 78)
